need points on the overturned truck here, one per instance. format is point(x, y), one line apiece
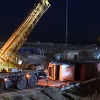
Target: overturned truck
point(84, 67)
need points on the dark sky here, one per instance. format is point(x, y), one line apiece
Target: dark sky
point(83, 20)
point(51, 26)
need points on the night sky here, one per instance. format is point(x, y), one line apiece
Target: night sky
point(83, 20)
point(51, 26)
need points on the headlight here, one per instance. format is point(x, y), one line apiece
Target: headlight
point(27, 75)
point(5, 79)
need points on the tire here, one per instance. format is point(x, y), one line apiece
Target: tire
point(21, 83)
point(32, 80)
point(1, 85)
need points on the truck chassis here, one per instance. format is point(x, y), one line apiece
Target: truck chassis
point(18, 79)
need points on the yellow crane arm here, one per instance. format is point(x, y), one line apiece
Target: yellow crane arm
point(14, 43)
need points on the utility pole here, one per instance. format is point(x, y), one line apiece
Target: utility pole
point(66, 21)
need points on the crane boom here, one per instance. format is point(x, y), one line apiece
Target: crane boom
point(14, 43)
point(9, 50)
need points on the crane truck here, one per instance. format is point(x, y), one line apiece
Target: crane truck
point(12, 71)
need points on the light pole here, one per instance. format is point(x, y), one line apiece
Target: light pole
point(66, 20)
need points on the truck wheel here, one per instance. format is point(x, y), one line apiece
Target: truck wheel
point(1, 85)
point(32, 80)
point(21, 83)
